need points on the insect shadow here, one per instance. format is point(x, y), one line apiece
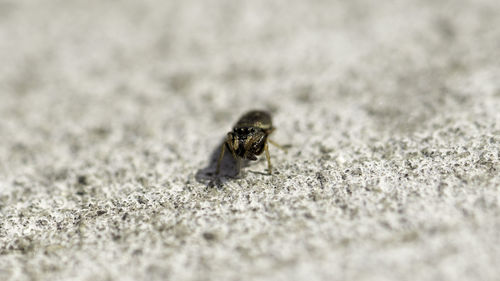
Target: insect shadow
point(228, 168)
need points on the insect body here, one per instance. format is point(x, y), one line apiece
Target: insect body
point(249, 138)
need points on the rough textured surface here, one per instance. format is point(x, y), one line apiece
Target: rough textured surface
point(111, 111)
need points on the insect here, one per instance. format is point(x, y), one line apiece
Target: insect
point(249, 138)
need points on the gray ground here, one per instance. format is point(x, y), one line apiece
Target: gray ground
point(111, 113)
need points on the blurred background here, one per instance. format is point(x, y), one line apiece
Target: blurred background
point(154, 66)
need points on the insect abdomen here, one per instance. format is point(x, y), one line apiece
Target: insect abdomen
point(255, 118)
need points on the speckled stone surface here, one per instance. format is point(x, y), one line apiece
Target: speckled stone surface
point(111, 113)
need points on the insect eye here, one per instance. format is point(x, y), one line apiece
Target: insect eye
point(242, 130)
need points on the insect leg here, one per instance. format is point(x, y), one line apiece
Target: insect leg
point(237, 159)
point(282, 147)
point(220, 158)
point(269, 166)
point(238, 164)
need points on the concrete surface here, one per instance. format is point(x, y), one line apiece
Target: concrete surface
point(111, 111)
